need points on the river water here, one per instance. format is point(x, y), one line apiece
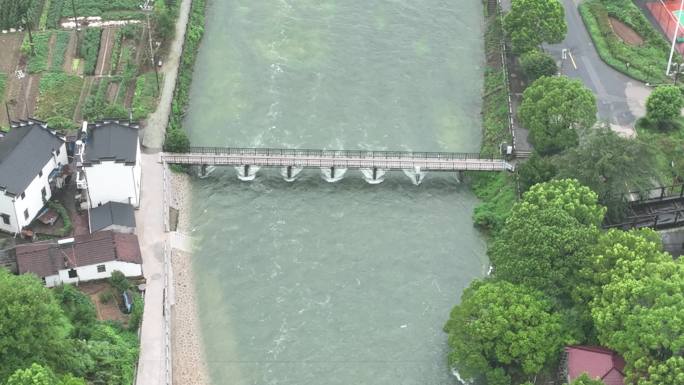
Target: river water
point(312, 283)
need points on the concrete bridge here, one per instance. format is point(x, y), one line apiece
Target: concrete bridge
point(334, 163)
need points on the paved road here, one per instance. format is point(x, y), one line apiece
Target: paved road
point(621, 100)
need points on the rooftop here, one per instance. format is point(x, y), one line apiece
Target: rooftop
point(597, 362)
point(47, 258)
point(112, 213)
point(117, 141)
point(24, 151)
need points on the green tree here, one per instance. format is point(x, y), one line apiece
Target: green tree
point(547, 238)
point(536, 64)
point(176, 141)
point(611, 166)
point(537, 169)
point(584, 379)
point(33, 327)
point(554, 109)
point(506, 332)
point(663, 106)
point(78, 308)
point(533, 22)
point(669, 372)
point(40, 375)
point(638, 312)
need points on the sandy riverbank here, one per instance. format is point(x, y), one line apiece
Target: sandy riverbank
point(189, 365)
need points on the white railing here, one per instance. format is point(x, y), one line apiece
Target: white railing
point(168, 348)
point(165, 196)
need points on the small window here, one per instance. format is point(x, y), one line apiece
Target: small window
point(40, 173)
point(23, 195)
point(5, 219)
point(43, 279)
point(43, 192)
point(26, 216)
point(101, 268)
point(58, 150)
point(73, 273)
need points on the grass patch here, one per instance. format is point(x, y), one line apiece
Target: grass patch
point(645, 62)
point(90, 48)
point(670, 150)
point(59, 51)
point(41, 43)
point(3, 85)
point(96, 105)
point(58, 97)
point(109, 10)
point(145, 98)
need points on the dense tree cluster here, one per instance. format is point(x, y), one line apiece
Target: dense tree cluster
point(556, 272)
point(55, 338)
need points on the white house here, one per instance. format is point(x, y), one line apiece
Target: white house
point(111, 163)
point(32, 157)
point(82, 258)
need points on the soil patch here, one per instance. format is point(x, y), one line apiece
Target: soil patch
point(106, 311)
point(625, 32)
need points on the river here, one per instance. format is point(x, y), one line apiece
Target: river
point(313, 283)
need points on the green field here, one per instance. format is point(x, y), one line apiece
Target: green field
point(3, 84)
point(38, 62)
point(59, 51)
point(59, 94)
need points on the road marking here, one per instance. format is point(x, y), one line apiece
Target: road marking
point(572, 59)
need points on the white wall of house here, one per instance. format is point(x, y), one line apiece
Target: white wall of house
point(110, 181)
point(32, 202)
point(90, 273)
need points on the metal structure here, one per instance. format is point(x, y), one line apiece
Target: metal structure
point(658, 208)
point(341, 159)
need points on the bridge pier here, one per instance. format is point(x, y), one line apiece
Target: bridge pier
point(290, 173)
point(246, 172)
point(416, 175)
point(460, 176)
point(373, 175)
point(205, 170)
point(333, 174)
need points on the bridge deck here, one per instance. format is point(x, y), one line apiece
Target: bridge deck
point(386, 160)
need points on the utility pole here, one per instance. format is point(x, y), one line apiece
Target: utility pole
point(674, 38)
point(78, 48)
point(27, 23)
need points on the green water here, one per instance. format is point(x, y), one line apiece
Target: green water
point(311, 283)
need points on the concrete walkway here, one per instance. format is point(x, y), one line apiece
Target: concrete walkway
point(150, 222)
point(153, 134)
point(150, 229)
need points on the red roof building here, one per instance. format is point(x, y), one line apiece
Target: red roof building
point(598, 363)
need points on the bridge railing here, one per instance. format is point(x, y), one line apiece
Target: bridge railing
point(339, 153)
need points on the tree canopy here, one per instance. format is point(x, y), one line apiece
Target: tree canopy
point(584, 379)
point(38, 326)
point(533, 22)
point(664, 105)
point(40, 375)
point(547, 238)
point(611, 166)
point(638, 310)
point(504, 331)
point(554, 109)
point(536, 64)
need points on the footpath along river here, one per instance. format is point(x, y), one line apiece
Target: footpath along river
point(313, 283)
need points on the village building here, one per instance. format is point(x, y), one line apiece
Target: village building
point(32, 164)
point(597, 362)
point(110, 160)
point(81, 258)
point(119, 217)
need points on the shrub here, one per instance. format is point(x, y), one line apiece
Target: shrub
point(119, 281)
point(106, 296)
point(664, 105)
point(66, 230)
point(176, 141)
point(536, 64)
point(90, 48)
point(136, 312)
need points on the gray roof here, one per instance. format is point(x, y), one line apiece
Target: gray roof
point(111, 141)
point(112, 213)
point(24, 151)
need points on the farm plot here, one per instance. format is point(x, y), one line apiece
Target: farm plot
point(57, 100)
point(108, 10)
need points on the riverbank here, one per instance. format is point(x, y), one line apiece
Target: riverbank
point(189, 365)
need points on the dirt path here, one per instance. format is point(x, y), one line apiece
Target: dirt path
point(104, 58)
point(9, 62)
point(624, 32)
point(70, 55)
point(85, 91)
point(51, 50)
point(30, 96)
point(153, 135)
